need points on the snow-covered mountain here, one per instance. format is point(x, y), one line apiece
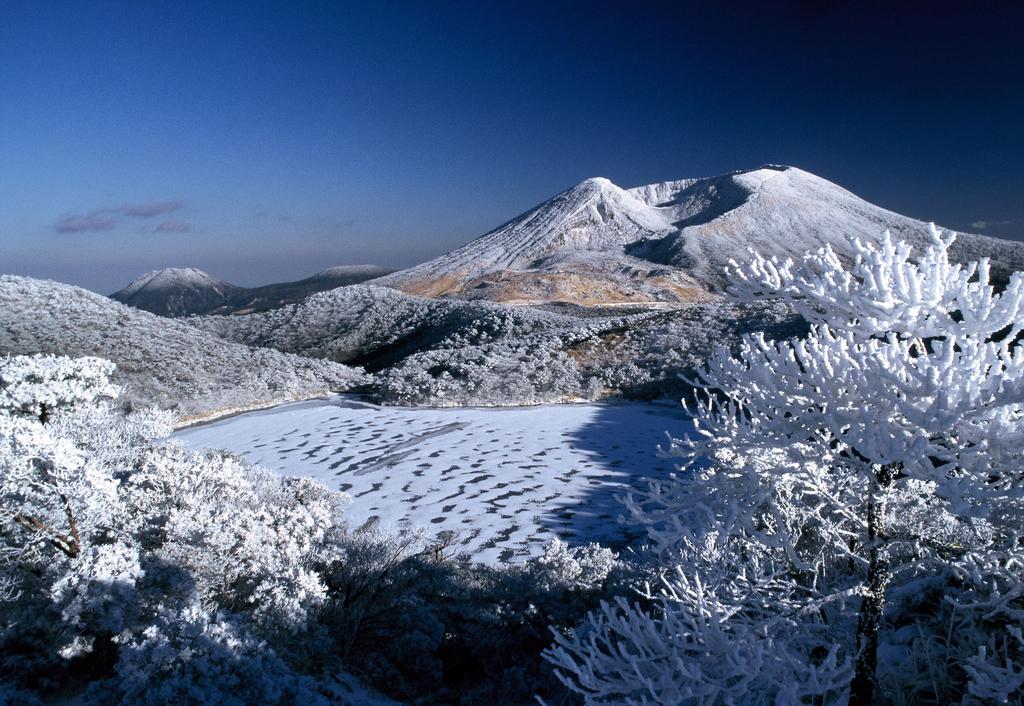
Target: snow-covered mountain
point(597, 243)
point(160, 362)
point(184, 291)
point(175, 291)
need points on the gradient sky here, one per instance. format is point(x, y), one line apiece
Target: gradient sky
point(266, 141)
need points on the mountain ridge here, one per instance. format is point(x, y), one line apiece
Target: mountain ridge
point(187, 291)
point(666, 243)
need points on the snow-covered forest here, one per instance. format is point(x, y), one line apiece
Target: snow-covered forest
point(844, 526)
point(445, 352)
point(160, 363)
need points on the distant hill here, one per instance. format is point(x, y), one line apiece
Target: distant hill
point(160, 362)
point(272, 296)
point(176, 291)
point(599, 244)
point(375, 326)
point(452, 352)
point(186, 291)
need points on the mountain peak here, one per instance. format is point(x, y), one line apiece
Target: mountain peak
point(175, 291)
point(667, 242)
point(184, 291)
point(171, 277)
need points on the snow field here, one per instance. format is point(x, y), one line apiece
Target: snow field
point(505, 480)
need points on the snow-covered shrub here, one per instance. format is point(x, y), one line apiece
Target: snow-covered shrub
point(492, 374)
point(582, 568)
point(35, 386)
point(406, 616)
point(124, 556)
point(959, 631)
point(192, 656)
point(693, 645)
point(833, 474)
point(369, 596)
point(277, 530)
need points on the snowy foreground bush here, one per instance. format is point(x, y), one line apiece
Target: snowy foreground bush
point(162, 572)
point(847, 528)
point(134, 571)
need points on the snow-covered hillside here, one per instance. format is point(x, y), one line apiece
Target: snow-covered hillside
point(597, 243)
point(378, 325)
point(271, 296)
point(160, 362)
point(186, 291)
point(451, 352)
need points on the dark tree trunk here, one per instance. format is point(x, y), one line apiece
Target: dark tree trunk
point(862, 688)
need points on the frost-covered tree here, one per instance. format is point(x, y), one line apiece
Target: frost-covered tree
point(861, 479)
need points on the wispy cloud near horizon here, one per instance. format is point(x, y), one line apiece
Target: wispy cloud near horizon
point(982, 224)
point(90, 223)
point(105, 219)
point(174, 227)
point(151, 209)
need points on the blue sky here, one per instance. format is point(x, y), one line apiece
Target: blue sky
point(264, 141)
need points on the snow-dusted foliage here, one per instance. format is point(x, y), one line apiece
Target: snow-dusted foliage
point(160, 363)
point(582, 568)
point(846, 525)
point(496, 374)
point(122, 555)
point(694, 645)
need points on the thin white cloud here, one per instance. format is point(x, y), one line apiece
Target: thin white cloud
point(982, 225)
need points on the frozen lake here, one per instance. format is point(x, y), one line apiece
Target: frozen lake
point(506, 480)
